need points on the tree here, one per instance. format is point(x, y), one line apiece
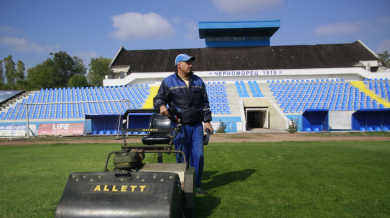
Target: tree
point(79, 66)
point(78, 81)
point(385, 58)
point(1, 72)
point(22, 84)
point(42, 75)
point(98, 69)
point(54, 72)
point(13, 75)
point(20, 68)
point(66, 67)
point(10, 72)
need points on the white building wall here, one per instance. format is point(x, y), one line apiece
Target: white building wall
point(348, 74)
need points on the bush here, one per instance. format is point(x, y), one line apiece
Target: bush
point(221, 128)
point(293, 126)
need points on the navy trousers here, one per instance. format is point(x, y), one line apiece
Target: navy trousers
point(190, 141)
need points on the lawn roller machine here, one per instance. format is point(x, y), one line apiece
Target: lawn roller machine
point(133, 188)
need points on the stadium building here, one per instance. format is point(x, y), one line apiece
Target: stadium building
point(250, 84)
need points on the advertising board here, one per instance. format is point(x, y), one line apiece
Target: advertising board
point(61, 129)
point(16, 130)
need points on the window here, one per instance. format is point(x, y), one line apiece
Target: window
point(210, 38)
point(236, 37)
point(254, 37)
point(239, 38)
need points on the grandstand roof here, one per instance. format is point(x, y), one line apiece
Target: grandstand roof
point(7, 95)
point(249, 58)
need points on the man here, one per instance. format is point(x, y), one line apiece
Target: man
point(187, 93)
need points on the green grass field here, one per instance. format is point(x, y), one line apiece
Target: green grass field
point(286, 179)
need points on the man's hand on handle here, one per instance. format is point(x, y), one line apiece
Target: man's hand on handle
point(164, 111)
point(208, 126)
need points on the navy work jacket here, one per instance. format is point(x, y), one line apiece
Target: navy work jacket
point(192, 104)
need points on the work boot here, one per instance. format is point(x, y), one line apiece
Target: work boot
point(200, 191)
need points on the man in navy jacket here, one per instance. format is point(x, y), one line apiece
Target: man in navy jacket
point(187, 93)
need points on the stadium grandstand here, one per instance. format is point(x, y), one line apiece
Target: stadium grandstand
point(250, 84)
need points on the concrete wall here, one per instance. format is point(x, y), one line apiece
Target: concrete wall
point(277, 119)
point(340, 120)
point(261, 76)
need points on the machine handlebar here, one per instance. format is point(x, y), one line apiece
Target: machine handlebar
point(206, 138)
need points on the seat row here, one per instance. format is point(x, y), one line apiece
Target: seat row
point(298, 97)
point(218, 98)
point(96, 94)
point(381, 88)
point(216, 90)
point(114, 132)
point(255, 89)
point(136, 94)
point(300, 107)
point(221, 111)
point(362, 129)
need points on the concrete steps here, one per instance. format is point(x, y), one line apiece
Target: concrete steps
point(233, 100)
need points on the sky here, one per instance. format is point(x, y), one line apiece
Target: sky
point(30, 30)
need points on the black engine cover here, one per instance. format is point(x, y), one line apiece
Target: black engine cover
point(110, 194)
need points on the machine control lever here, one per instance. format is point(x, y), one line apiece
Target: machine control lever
point(206, 137)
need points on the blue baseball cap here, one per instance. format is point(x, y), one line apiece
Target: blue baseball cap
point(183, 57)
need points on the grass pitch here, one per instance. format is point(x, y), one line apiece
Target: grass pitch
point(284, 179)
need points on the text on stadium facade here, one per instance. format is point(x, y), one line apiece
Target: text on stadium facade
point(13, 127)
point(245, 73)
